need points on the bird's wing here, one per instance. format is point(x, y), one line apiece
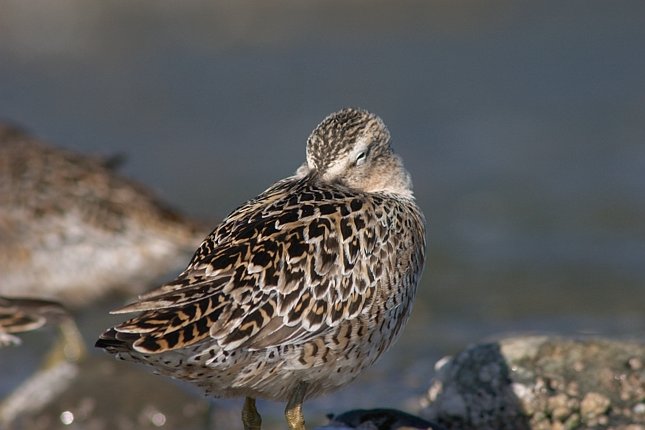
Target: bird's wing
point(282, 268)
point(19, 315)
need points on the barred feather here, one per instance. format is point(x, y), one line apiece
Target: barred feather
point(317, 273)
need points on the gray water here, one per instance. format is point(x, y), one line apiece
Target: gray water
point(522, 124)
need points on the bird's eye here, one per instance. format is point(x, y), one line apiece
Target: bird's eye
point(361, 157)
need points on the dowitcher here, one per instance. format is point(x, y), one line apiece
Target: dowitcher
point(20, 315)
point(23, 315)
point(71, 229)
point(300, 288)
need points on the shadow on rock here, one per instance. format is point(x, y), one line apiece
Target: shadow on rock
point(474, 390)
point(539, 382)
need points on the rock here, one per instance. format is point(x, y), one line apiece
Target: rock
point(378, 419)
point(594, 405)
point(541, 383)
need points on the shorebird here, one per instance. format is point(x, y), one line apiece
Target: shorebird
point(72, 230)
point(18, 315)
point(298, 289)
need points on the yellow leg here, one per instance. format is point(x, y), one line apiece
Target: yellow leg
point(68, 347)
point(75, 350)
point(293, 412)
point(250, 416)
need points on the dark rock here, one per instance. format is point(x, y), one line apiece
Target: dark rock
point(379, 419)
point(541, 383)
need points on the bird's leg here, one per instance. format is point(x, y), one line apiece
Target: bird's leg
point(71, 336)
point(250, 416)
point(69, 346)
point(293, 412)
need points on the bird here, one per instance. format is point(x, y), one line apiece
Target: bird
point(297, 290)
point(24, 314)
point(20, 315)
point(73, 230)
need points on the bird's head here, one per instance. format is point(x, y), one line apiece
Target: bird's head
point(352, 147)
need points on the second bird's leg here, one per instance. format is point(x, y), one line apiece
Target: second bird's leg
point(293, 412)
point(250, 416)
point(69, 346)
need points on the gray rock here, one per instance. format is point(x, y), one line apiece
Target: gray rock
point(541, 383)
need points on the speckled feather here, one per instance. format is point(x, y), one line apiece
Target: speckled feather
point(310, 281)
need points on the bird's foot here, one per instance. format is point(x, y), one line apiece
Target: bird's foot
point(293, 412)
point(250, 416)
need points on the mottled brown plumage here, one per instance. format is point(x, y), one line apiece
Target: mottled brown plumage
point(72, 229)
point(20, 315)
point(297, 290)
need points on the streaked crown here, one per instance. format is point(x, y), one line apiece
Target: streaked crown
point(352, 147)
point(342, 133)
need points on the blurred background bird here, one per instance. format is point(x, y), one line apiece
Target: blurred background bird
point(18, 315)
point(72, 229)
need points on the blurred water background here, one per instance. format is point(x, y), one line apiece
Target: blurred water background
point(522, 124)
